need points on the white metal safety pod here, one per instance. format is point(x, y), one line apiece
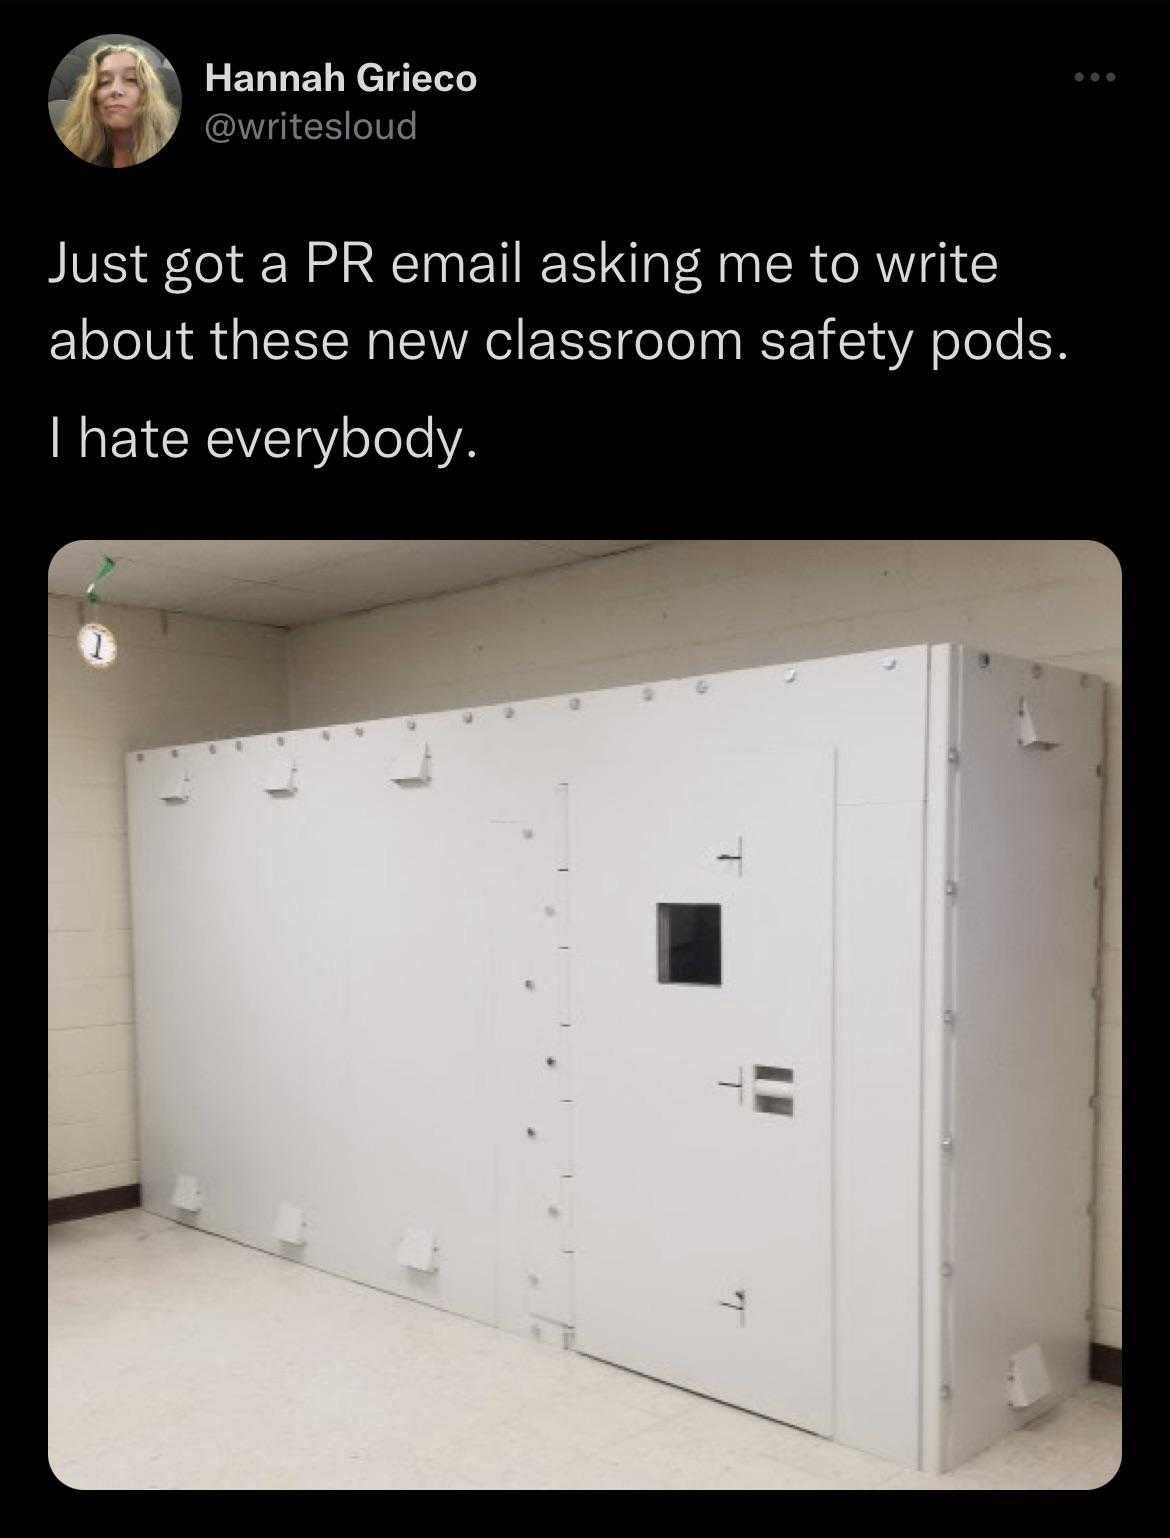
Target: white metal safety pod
point(738, 1030)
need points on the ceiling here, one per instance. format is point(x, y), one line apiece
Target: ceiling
point(291, 582)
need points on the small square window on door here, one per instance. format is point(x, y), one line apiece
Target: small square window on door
point(690, 943)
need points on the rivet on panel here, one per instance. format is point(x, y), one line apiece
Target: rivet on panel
point(280, 742)
point(947, 1269)
point(211, 747)
point(647, 693)
point(359, 731)
point(530, 985)
point(948, 1017)
point(550, 1062)
point(530, 1131)
point(325, 736)
point(948, 1144)
point(174, 752)
point(467, 718)
point(945, 1391)
point(1084, 680)
point(533, 1279)
point(509, 712)
point(889, 663)
point(527, 832)
point(984, 660)
point(239, 746)
point(952, 755)
point(550, 910)
point(951, 888)
point(1037, 670)
point(140, 756)
point(410, 726)
point(574, 704)
point(702, 686)
point(554, 1211)
point(790, 675)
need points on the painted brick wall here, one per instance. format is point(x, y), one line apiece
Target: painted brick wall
point(189, 681)
point(698, 606)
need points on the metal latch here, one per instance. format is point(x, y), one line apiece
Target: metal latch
point(738, 858)
point(740, 1306)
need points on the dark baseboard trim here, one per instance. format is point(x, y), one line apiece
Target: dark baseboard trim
point(89, 1203)
point(1105, 1364)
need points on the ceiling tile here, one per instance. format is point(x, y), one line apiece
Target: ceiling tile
point(262, 603)
point(295, 582)
point(596, 546)
point(137, 583)
point(260, 560)
point(429, 567)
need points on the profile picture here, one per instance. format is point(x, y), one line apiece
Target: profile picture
point(114, 101)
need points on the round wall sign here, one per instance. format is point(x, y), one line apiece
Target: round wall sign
point(97, 644)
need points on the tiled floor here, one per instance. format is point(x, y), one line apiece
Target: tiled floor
point(178, 1360)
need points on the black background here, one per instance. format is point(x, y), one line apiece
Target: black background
point(726, 127)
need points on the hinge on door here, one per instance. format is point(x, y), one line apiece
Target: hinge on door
point(740, 1305)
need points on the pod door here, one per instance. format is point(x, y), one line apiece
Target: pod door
point(702, 974)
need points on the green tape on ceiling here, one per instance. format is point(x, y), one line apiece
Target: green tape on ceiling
point(107, 568)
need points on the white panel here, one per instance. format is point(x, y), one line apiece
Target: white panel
point(687, 1196)
point(1026, 917)
point(939, 1025)
point(877, 1191)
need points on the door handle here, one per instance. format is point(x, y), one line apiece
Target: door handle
point(733, 1084)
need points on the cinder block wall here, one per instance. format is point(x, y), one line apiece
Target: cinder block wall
point(176, 679)
point(698, 606)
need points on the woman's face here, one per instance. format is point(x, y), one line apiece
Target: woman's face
point(119, 91)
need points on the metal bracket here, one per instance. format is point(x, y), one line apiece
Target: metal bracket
point(733, 1084)
point(738, 858)
point(740, 1306)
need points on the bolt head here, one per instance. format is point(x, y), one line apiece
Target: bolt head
point(948, 1017)
point(467, 718)
point(889, 663)
point(527, 832)
point(574, 704)
point(790, 675)
point(702, 686)
point(952, 755)
point(1037, 670)
point(410, 725)
point(509, 712)
point(551, 1062)
point(359, 731)
point(647, 693)
point(530, 985)
point(554, 1212)
point(530, 1131)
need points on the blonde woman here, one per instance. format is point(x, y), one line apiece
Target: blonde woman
point(119, 114)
